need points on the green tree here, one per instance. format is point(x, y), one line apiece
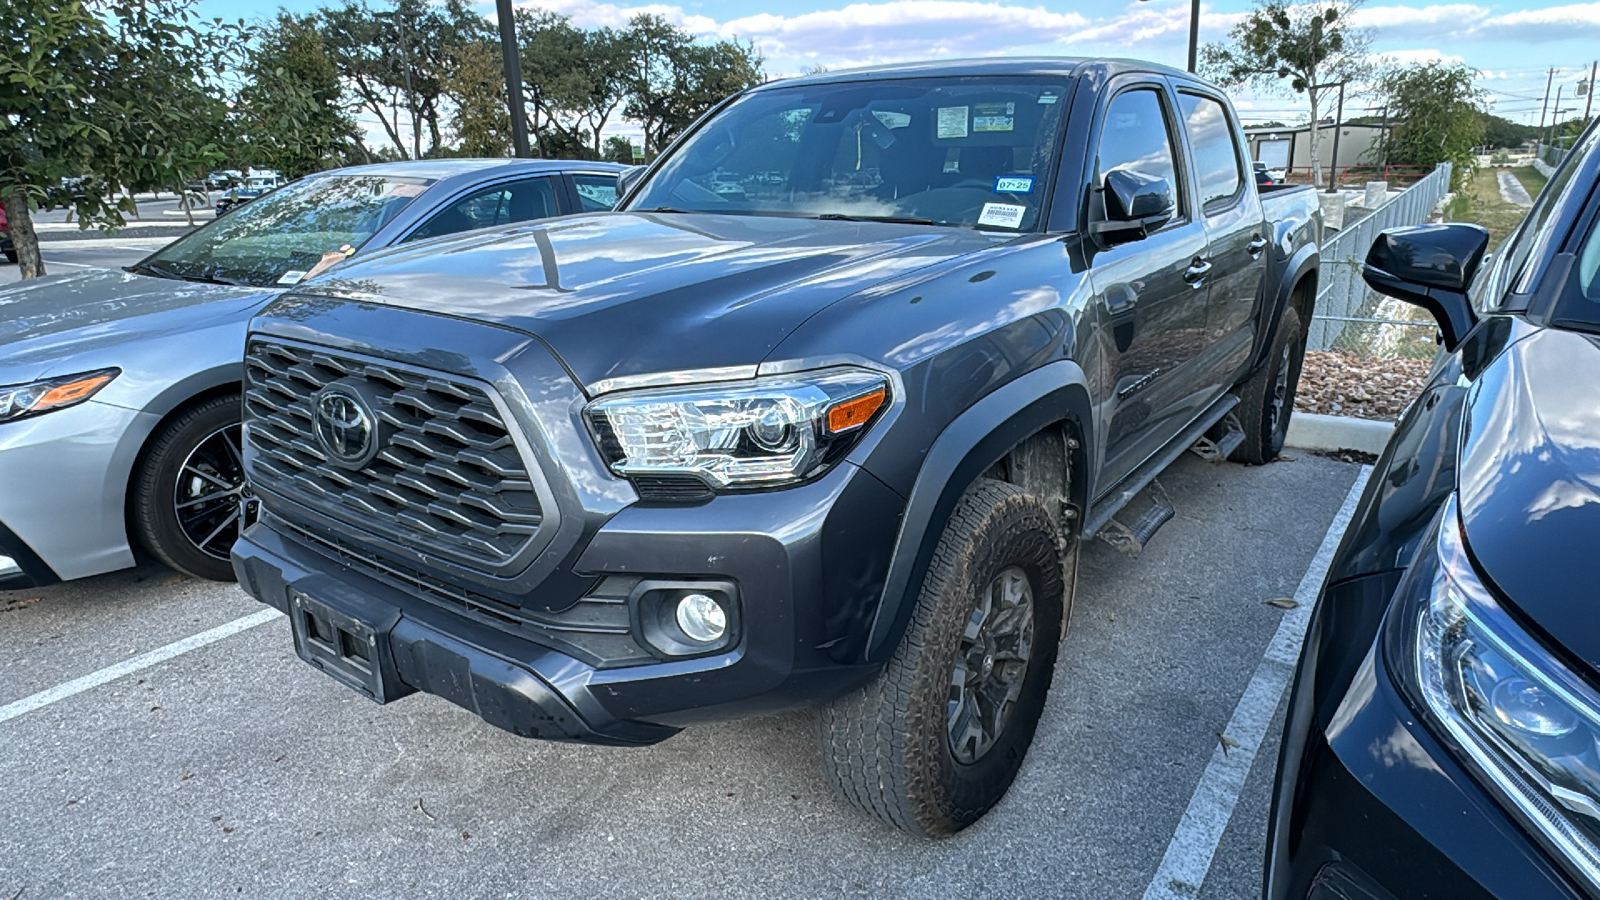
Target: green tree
point(476, 88)
point(1296, 47)
point(1439, 116)
point(674, 80)
point(1502, 133)
point(77, 83)
point(291, 110)
point(617, 149)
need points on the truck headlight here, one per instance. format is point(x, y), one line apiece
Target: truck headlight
point(18, 401)
point(761, 433)
point(1526, 722)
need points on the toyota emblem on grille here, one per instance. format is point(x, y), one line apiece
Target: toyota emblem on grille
point(345, 426)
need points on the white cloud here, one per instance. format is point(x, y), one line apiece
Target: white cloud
point(1420, 22)
point(904, 29)
point(1554, 23)
point(1411, 57)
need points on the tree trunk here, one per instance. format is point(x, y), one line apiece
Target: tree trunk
point(184, 204)
point(1316, 139)
point(20, 220)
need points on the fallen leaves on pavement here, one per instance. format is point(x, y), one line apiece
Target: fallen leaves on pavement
point(1343, 384)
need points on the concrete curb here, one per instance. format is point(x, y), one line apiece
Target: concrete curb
point(1310, 431)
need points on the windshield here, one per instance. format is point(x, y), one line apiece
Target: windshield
point(945, 151)
point(282, 237)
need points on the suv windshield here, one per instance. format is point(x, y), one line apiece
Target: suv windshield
point(945, 151)
point(280, 237)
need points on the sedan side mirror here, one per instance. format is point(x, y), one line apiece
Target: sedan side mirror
point(629, 177)
point(1136, 204)
point(1430, 266)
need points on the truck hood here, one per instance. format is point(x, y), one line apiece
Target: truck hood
point(620, 294)
point(45, 322)
point(1530, 483)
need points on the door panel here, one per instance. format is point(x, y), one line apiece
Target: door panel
point(1236, 241)
point(1150, 302)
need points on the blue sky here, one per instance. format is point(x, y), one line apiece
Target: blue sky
point(1513, 44)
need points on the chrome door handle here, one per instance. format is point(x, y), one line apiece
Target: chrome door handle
point(1256, 245)
point(1197, 272)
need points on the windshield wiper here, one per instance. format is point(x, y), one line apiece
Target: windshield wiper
point(901, 220)
point(665, 209)
point(161, 271)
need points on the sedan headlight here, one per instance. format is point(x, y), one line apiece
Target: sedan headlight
point(18, 401)
point(762, 433)
point(1527, 723)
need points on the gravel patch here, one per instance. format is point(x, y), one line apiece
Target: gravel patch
point(1343, 384)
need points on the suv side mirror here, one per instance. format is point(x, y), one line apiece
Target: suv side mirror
point(1136, 204)
point(1430, 266)
point(629, 177)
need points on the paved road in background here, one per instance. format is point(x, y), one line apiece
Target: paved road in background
point(237, 770)
point(63, 254)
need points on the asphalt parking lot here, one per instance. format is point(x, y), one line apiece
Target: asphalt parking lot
point(230, 768)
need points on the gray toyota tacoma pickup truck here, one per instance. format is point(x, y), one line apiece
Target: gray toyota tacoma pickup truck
point(820, 416)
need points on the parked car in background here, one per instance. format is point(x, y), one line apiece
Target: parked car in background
point(1264, 176)
point(7, 248)
point(119, 391)
point(1443, 735)
point(235, 197)
point(820, 416)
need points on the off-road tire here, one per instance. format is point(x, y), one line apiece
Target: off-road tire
point(886, 747)
point(152, 515)
point(1263, 414)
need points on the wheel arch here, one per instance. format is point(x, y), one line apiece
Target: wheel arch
point(1298, 285)
point(172, 402)
point(1008, 434)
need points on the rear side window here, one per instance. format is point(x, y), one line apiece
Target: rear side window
point(1136, 136)
point(1218, 167)
point(596, 193)
point(502, 204)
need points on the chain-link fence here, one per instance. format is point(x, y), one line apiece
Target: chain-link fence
point(1351, 316)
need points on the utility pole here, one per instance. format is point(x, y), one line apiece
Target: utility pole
point(1194, 34)
point(1338, 125)
point(1588, 103)
point(1545, 105)
point(1555, 113)
point(513, 67)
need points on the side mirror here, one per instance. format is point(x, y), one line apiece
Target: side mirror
point(1430, 266)
point(629, 177)
point(1136, 204)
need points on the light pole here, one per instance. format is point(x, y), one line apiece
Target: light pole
point(1194, 32)
point(513, 66)
point(1338, 125)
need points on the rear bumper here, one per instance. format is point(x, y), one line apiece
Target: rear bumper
point(774, 548)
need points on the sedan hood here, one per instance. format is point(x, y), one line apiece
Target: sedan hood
point(46, 321)
point(619, 294)
point(1530, 483)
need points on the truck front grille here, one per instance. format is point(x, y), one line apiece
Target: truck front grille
point(447, 478)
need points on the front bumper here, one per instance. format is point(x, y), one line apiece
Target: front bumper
point(807, 563)
point(1369, 805)
point(63, 488)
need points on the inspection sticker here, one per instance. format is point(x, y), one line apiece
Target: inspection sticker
point(1002, 215)
point(989, 117)
point(1049, 97)
point(292, 277)
point(953, 121)
point(1013, 184)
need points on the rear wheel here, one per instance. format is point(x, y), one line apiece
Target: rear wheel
point(190, 498)
point(937, 738)
point(11, 256)
point(1267, 399)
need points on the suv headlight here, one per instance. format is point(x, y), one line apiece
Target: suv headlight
point(1526, 722)
point(18, 401)
point(762, 433)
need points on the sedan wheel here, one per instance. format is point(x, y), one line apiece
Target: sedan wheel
point(190, 497)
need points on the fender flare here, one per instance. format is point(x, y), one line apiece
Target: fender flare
point(975, 440)
point(1303, 263)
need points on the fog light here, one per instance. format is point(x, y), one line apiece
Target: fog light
point(701, 618)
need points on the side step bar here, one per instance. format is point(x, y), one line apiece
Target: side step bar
point(1130, 539)
point(1102, 511)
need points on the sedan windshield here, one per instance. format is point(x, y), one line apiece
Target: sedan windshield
point(942, 151)
point(280, 237)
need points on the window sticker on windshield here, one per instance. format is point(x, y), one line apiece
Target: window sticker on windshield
point(294, 276)
point(1002, 215)
point(990, 117)
point(953, 121)
point(1049, 97)
point(893, 119)
point(1013, 184)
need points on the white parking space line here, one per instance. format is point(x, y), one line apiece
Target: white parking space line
point(1183, 868)
point(129, 666)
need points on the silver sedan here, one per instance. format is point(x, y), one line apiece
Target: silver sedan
point(119, 390)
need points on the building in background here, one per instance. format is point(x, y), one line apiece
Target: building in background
point(1289, 148)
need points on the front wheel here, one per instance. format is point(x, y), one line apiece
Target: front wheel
point(1267, 399)
point(936, 739)
point(190, 497)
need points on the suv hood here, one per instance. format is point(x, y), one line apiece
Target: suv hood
point(618, 294)
point(46, 321)
point(1530, 483)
